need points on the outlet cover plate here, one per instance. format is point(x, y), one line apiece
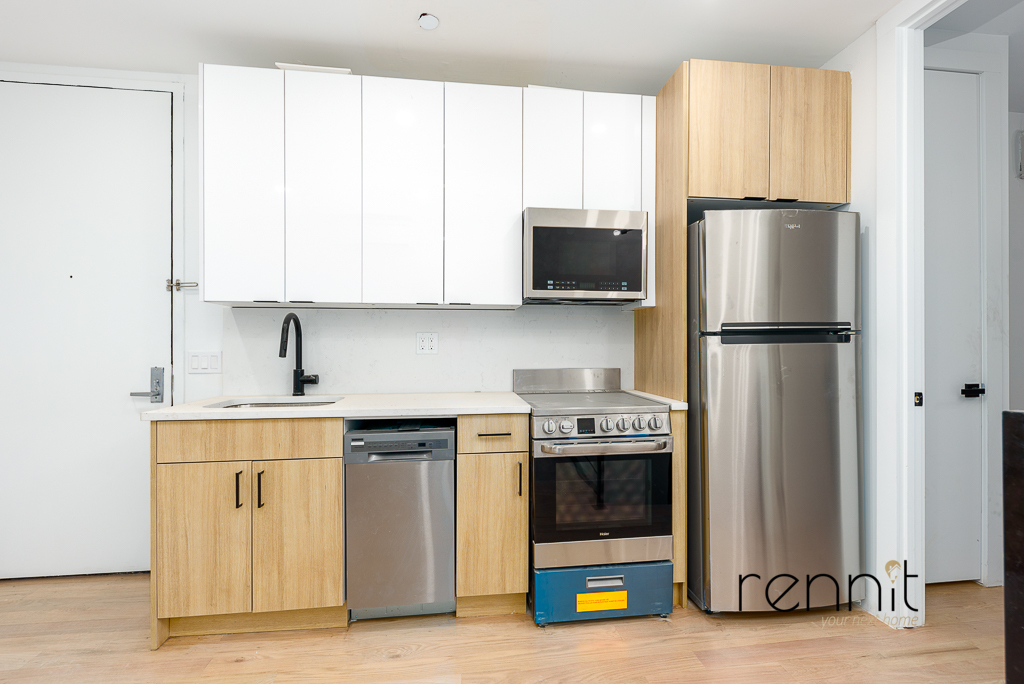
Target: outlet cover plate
point(426, 343)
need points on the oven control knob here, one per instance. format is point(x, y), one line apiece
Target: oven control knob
point(639, 423)
point(565, 426)
point(623, 424)
point(549, 426)
point(607, 425)
point(656, 423)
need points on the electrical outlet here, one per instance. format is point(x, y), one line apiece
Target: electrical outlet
point(204, 362)
point(426, 343)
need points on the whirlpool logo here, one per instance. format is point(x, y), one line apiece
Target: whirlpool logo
point(893, 569)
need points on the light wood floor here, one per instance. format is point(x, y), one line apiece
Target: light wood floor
point(95, 629)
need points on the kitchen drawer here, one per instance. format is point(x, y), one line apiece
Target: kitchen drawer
point(181, 441)
point(496, 433)
point(601, 591)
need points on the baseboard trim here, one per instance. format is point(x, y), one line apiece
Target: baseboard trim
point(235, 623)
point(495, 604)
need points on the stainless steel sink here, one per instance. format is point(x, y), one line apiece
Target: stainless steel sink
point(275, 402)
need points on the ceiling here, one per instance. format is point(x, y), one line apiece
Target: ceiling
point(611, 45)
point(993, 17)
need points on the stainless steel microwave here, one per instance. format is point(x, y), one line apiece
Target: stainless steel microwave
point(584, 255)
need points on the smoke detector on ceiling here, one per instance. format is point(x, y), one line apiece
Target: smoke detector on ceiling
point(428, 21)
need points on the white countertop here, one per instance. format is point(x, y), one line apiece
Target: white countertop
point(353, 406)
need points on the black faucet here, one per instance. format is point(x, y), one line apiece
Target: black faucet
point(299, 381)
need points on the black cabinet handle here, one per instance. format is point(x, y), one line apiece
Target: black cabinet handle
point(238, 502)
point(973, 390)
point(520, 478)
point(259, 489)
point(494, 434)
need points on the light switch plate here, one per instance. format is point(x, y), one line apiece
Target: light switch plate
point(204, 362)
point(426, 343)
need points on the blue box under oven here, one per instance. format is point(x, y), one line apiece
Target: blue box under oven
point(601, 591)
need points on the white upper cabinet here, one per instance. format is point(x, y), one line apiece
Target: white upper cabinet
point(323, 182)
point(648, 178)
point(483, 196)
point(403, 191)
point(242, 121)
point(552, 148)
point(611, 151)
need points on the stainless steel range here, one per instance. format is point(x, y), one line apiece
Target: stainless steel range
point(600, 470)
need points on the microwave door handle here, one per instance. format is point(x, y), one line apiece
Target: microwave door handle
point(604, 449)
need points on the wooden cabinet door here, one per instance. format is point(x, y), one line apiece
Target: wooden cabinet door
point(298, 548)
point(203, 544)
point(243, 183)
point(729, 107)
point(403, 191)
point(611, 151)
point(810, 134)
point(552, 148)
point(491, 524)
point(483, 194)
point(323, 176)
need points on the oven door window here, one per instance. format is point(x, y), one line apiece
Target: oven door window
point(601, 497)
point(594, 259)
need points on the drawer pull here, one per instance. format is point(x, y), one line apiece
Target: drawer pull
point(606, 581)
point(520, 478)
point(494, 434)
point(238, 501)
point(259, 489)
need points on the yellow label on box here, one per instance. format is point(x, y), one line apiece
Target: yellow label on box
point(601, 600)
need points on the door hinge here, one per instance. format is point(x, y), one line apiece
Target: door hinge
point(918, 398)
point(177, 285)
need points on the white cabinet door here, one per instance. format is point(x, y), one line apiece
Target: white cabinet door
point(483, 194)
point(611, 151)
point(323, 181)
point(243, 183)
point(648, 174)
point(403, 191)
point(552, 148)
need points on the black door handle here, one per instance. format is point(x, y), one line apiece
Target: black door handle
point(520, 478)
point(973, 390)
point(259, 489)
point(238, 503)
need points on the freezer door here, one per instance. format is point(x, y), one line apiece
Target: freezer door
point(781, 455)
point(775, 266)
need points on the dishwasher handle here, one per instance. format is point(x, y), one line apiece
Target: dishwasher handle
point(400, 456)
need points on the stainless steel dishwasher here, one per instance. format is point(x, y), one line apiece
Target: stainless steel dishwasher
point(399, 518)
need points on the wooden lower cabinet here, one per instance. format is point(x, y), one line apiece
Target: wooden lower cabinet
point(203, 537)
point(491, 532)
point(298, 534)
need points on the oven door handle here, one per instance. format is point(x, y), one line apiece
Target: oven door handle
point(604, 449)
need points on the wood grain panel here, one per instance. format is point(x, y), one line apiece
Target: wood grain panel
point(491, 549)
point(678, 419)
point(316, 618)
point(204, 542)
point(810, 134)
point(499, 604)
point(245, 440)
point(495, 433)
point(660, 332)
point(298, 551)
point(157, 626)
point(729, 129)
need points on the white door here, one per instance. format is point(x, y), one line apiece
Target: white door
point(953, 324)
point(483, 194)
point(552, 148)
point(243, 184)
point(323, 180)
point(611, 151)
point(85, 249)
point(403, 191)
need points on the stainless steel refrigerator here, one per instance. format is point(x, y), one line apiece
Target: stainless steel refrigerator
point(774, 390)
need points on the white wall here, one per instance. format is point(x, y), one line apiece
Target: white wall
point(374, 350)
point(860, 59)
point(1016, 270)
